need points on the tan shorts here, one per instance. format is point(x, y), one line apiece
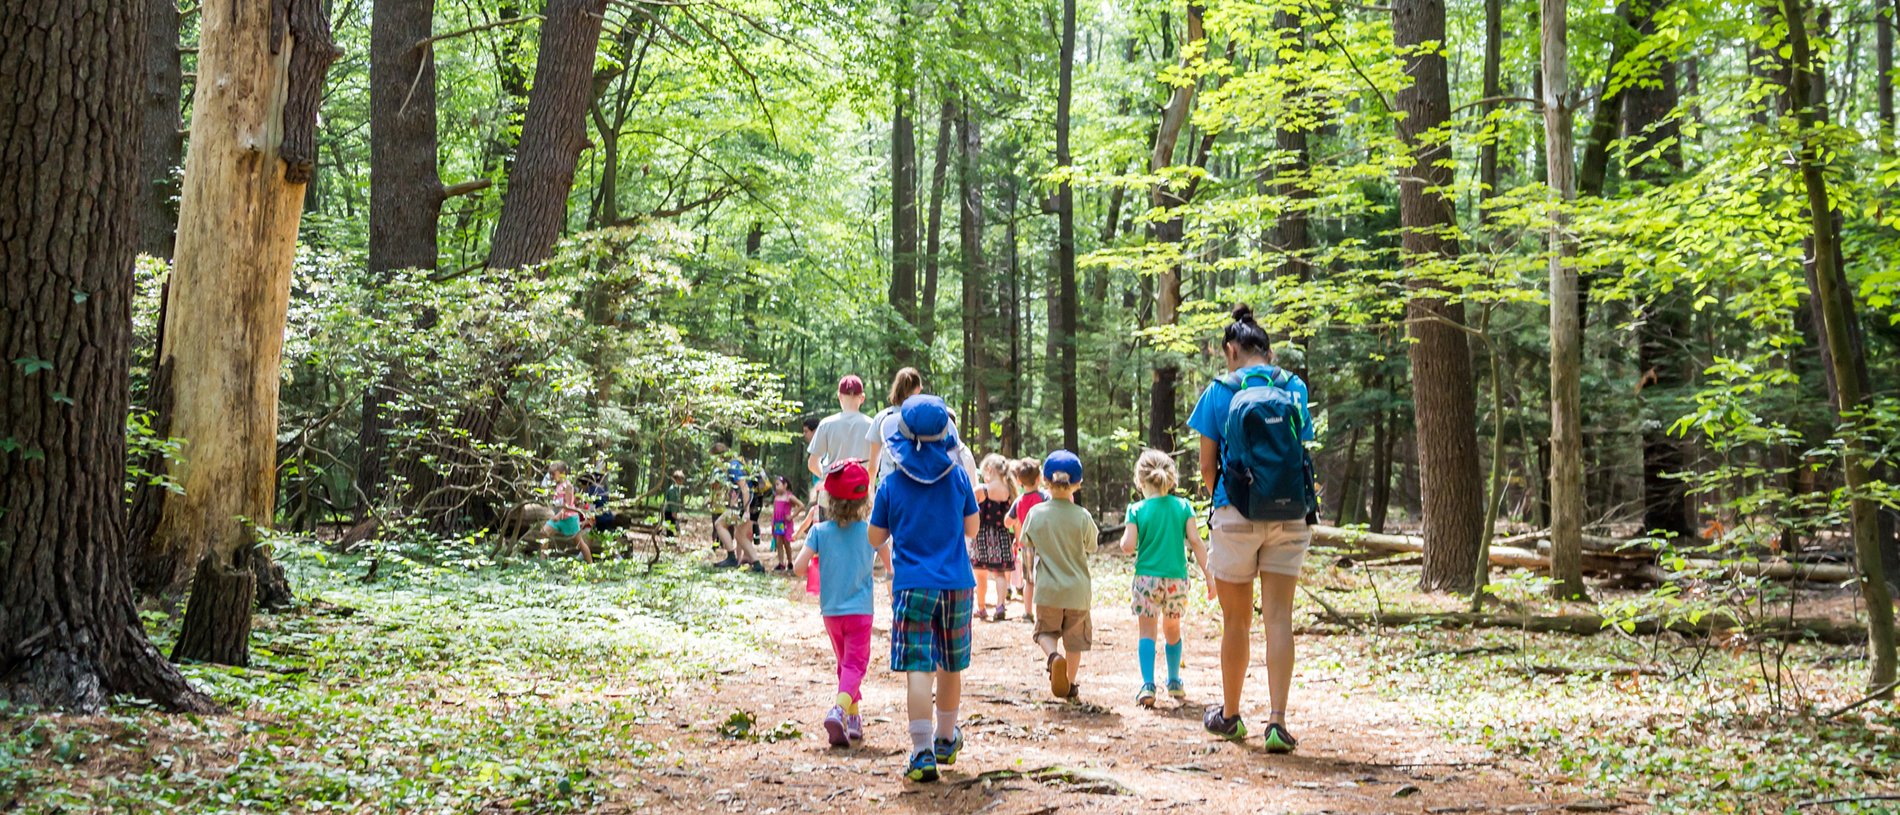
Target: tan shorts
point(1071, 624)
point(1239, 549)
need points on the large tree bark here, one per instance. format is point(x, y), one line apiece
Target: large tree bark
point(1167, 371)
point(1444, 393)
point(1566, 328)
point(1065, 232)
point(1845, 357)
point(162, 141)
point(534, 209)
point(70, 636)
point(261, 71)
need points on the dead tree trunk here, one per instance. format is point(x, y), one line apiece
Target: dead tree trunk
point(1444, 393)
point(261, 72)
point(70, 636)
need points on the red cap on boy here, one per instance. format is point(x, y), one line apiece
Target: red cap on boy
point(847, 480)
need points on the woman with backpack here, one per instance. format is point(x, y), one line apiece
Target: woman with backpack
point(1253, 424)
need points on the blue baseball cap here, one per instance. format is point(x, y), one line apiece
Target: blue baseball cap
point(1062, 462)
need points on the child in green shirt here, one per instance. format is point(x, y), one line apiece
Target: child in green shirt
point(1159, 532)
point(1062, 535)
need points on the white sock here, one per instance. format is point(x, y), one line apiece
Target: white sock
point(947, 724)
point(920, 733)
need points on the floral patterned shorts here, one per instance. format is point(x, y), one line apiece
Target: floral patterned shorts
point(1160, 596)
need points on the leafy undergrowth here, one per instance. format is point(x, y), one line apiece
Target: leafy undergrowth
point(433, 688)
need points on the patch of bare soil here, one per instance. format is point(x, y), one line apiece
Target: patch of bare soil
point(1029, 754)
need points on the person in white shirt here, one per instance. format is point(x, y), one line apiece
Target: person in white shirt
point(843, 435)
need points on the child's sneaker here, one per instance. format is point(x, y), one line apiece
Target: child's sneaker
point(731, 561)
point(1280, 741)
point(1002, 612)
point(854, 728)
point(1146, 696)
point(1226, 727)
point(1177, 690)
point(835, 727)
point(946, 750)
point(923, 767)
point(1059, 676)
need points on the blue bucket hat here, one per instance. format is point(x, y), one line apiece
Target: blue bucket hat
point(1062, 462)
point(923, 445)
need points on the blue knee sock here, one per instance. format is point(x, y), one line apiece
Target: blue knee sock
point(1174, 661)
point(1146, 650)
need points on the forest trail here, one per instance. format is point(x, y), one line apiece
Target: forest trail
point(1358, 754)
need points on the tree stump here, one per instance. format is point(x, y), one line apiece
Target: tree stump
point(218, 617)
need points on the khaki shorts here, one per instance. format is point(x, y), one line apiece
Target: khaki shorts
point(1239, 549)
point(1071, 624)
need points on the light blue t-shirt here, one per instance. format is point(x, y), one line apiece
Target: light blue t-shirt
point(926, 526)
point(844, 567)
point(1210, 415)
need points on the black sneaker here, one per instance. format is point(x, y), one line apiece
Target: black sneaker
point(1280, 741)
point(730, 562)
point(754, 566)
point(1230, 728)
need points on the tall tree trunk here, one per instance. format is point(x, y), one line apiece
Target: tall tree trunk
point(1594, 171)
point(1291, 225)
point(553, 133)
point(1013, 389)
point(1444, 392)
point(1566, 329)
point(1884, 13)
point(261, 70)
point(70, 636)
point(1648, 111)
point(1167, 370)
point(1493, 88)
point(975, 276)
point(161, 142)
point(1381, 497)
point(1065, 231)
point(903, 291)
point(1845, 356)
point(933, 238)
point(405, 194)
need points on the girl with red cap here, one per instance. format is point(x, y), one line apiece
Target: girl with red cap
point(845, 589)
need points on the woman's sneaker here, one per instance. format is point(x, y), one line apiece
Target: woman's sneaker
point(1177, 690)
point(923, 767)
point(854, 728)
point(835, 727)
point(1230, 728)
point(1280, 741)
point(1146, 696)
point(946, 750)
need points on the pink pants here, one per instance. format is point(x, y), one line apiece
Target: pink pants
point(851, 643)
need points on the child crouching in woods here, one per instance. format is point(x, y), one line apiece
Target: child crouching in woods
point(845, 591)
point(927, 509)
point(1159, 532)
point(1062, 534)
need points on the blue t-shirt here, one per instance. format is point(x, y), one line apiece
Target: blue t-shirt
point(844, 575)
point(1210, 416)
point(926, 525)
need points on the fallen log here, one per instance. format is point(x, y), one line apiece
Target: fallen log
point(1602, 555)
point(1584, 625)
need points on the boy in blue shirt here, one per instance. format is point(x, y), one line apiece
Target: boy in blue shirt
point(927, 510)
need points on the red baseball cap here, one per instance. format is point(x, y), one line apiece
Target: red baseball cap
point(848, 480)
point(851, 385)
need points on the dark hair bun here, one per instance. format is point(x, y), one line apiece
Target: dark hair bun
point(1243, 313)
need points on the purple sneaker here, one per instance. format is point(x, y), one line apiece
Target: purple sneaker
point(835, 727)
point(854, 728)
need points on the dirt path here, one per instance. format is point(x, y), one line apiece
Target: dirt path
point(1358, 753)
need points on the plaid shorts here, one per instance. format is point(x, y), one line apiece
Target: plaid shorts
point(930, 629)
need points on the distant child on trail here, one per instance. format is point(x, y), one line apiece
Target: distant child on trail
point(1028, 475)
point(675, 503)
point(994, 554)
point(785, 506)
point(845, 591)
point(1062, 534)
point(566, 522)
point(1159, 532)
point(927, 510)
